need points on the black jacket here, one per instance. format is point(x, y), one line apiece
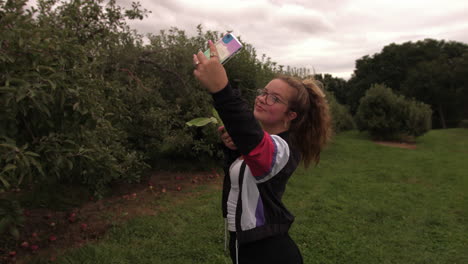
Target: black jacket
point(266, 162)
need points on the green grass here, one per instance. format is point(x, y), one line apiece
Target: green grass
point(368, 203)
point(364, 203)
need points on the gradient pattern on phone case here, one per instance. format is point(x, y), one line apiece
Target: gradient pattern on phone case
point(226, 46)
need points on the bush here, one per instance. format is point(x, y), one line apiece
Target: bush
point(418, 118)
point(62, 119)
point(342, 119)
point(386, 115)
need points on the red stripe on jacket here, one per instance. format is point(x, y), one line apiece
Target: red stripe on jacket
point(260, 159)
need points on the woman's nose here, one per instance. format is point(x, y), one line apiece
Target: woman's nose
point(262, 99)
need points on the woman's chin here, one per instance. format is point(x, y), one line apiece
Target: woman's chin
point(256, 114)
point(259, 115)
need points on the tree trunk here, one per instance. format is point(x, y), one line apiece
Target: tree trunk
point(442, 118)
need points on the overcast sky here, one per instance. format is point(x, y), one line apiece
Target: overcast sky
point(327, 35)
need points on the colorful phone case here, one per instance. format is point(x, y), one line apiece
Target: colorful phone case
point(227, 46)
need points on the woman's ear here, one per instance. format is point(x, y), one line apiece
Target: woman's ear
point(292, 115)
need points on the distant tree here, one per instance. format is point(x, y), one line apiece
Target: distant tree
point(398, 66)
point(442, 84)
point(338, 86)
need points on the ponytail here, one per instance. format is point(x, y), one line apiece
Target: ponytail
point(311, 130)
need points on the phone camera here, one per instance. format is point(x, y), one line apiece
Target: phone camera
point(227, 38)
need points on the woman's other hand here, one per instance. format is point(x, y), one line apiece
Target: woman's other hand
point(227, 140)
point(210, 72)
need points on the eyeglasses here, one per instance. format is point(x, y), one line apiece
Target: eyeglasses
point(271, 99)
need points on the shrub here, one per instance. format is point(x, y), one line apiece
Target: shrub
point(342, 119)
point(61, 117)
point(386, 115)
point(418, 118)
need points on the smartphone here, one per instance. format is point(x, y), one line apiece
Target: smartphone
point(227, 47)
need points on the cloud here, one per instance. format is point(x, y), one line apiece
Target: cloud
point(327, 35)
point(297, 19)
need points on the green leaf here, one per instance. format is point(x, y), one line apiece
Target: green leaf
point(30, 153)
point(18, 83)
point(38, 166)
point(25, 161)
point(14, 232)
point(20, 180)
point(216, 115)
point(5, 182)
point(47, 68)
point(22, 93)
point(88, 157)
point(8, 167)
point(201, 121)
point(8, 146)
point(7, 90)
point(52, 84)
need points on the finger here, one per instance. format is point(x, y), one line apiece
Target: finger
point(231, 146)
point(221, 129)
point(201, 57)
point(213, 50)
point(195, 60)
point(196, 73)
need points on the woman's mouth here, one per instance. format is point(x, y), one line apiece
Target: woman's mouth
point(259, 108)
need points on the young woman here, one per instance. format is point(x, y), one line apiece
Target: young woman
point(290, 123)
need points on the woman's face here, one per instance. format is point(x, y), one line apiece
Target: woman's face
point(273, 112)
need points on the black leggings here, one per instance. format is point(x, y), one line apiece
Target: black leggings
point(279, 249)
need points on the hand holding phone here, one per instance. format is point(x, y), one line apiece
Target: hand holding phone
point(227, 47)
point(208, 66)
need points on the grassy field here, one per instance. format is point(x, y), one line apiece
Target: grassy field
point(364, 203)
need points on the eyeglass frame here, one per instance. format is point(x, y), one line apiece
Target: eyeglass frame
point(264, 92)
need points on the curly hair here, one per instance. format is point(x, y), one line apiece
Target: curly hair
point(311, 130)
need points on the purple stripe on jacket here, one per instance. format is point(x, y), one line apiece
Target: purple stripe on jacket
point(259, 213)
